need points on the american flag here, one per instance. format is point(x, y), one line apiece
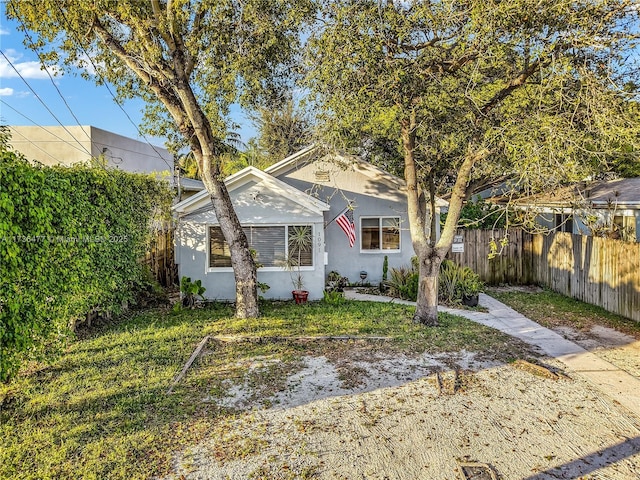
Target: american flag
point(345, 221)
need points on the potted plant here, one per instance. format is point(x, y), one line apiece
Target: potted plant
point(299, 240)
point(469, 285)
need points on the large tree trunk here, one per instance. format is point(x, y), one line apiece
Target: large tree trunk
point(244, 268)
point(430, 253)
point(427, 302)
point(173, 88)
point(206, 149)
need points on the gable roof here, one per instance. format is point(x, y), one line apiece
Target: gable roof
point(252, 174)
point(314, 152)
point(600, 194)
point(623, 191)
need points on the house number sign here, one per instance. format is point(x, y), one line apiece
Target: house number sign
point(458, 244)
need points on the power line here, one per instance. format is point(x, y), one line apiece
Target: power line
point(45, 129)
point(56, 160)
point(24, 29)
point(42, 101)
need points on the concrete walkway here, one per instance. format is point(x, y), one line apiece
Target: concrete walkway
point(609, 379)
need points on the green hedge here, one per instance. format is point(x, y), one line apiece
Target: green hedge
point(70, 241)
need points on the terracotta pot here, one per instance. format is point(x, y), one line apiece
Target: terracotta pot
point(300, 296)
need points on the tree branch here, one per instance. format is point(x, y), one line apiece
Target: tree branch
point(515, 83)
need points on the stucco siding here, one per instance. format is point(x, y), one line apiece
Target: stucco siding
point(77, 144)
point(373, 194)
point(256, 202)
point(193, 261)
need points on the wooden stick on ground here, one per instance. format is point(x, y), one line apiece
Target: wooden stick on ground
point(194, 355)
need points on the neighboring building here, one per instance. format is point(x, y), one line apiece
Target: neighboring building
point(71, 145)
point(607, 208)
point(307, 189)
point(189, 187)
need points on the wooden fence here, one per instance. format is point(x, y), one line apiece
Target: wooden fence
point(599, 271)
point(160, 257)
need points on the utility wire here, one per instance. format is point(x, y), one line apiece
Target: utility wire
point(26, 32)
point(43, 128)
point(42, 102)
point(56, 160)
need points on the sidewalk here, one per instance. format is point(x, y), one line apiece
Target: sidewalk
point(610, 380)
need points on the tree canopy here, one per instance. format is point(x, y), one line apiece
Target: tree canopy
point(190, 60)
point(539, 92)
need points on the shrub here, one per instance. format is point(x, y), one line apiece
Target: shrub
point(190, 290)
point(333, 297)
point(404, 283)
point(70, 242)
point(336, 282)
point(455, 282)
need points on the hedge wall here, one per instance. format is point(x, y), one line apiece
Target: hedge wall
point(70, 241)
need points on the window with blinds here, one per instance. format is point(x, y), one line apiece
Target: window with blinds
point(270, 244)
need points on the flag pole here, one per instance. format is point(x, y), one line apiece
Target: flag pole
point(341, 212)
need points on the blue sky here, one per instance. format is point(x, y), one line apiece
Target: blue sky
point(88, 104)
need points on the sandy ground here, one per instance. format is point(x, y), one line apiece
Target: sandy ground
point(393, 419)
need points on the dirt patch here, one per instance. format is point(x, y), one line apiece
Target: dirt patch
point(395, 422)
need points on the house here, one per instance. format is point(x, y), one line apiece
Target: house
point(606, 208)
point(308, 189)
point(68, 145)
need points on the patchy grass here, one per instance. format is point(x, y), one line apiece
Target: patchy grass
point(101, 411)
point(552, 310)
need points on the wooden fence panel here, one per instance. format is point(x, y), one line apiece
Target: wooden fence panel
point(513, 265)
point(160, 257)
point(600, 271)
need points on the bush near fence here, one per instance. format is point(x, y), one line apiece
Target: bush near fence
point(600, 271)
point(70, 242)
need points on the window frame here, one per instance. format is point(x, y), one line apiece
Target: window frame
point(380, 218)
point(285, 226)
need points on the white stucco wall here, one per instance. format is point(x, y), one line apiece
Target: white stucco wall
point(77, 144)
point(373, 194)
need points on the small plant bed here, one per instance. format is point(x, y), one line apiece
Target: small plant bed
point(554, 310)
point(102, 409)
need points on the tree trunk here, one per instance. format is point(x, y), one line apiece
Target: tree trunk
point(430, 253)
point(427, 302)
point(206, 150)
point(244, 268)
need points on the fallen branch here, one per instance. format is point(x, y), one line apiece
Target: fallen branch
point(194, 355)
point(254, 339)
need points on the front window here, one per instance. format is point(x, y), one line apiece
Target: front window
point(380, 233)
point(271, 245)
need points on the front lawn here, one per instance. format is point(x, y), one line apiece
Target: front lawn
point(102, 412)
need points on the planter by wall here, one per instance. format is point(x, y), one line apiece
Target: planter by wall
point(300, 296)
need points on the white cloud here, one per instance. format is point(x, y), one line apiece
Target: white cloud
point(6, 92)
point(4, 31)
point(28, 70)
